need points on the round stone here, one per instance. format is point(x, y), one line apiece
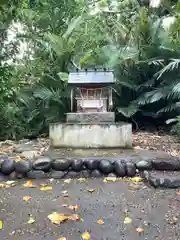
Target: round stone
point(61, 164)
point(3, 177)
point(105, 166)
point(23, 166)
point(43, 164)
point(72, 174)
point(144, 165)
point(96, 173)
point(112, 175)
point(57, 174)
point(85, 174)
point(77, 165)
point(7, 166)
point(130, 169)
point(12, 176)
point(91, 164)
point(120, 169)
point(36, 174)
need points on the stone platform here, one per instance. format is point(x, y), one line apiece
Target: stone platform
point(117, 135)
point(91, 118)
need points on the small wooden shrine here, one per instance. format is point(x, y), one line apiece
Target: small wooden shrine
point(91, 89)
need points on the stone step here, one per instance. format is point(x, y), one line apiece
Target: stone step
point(162, 179)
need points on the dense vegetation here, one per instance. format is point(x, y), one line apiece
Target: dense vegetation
point(139, 41)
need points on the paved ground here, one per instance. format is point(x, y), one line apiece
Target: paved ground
point(156, 211)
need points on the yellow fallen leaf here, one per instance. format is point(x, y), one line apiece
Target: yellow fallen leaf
point(31, 220)
point(91, 190)
point(26, 198)
point(81, 179)
point(127, 220)
point(3, 185)
point(62, 238)
point(81, 220)
point(136, 179)
point(139, 230)
point(86, 236)
point(100, 221)
point(46, 188)
point(74, 217)
point(29, 184)
point(1, 224)
point(67, 180)
point(57, 218)
point(110, 179)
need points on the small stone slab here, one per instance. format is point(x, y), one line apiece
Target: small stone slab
point(164, 180)
point(166, 164)
point(36, 174)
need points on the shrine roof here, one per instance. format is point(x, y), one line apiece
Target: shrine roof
point(91, 77)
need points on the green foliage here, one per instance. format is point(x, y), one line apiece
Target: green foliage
point(62, 35)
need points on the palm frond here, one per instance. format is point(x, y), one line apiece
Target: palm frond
point(129, 111)
point(170, 108)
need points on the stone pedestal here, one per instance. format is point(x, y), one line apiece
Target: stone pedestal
point(114, 135)
point(91, 118)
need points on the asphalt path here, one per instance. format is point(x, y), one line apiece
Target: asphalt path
point(155, 214)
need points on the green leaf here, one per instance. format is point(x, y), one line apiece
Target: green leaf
point(63, 76)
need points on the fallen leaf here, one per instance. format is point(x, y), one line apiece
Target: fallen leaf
point(139, 230)
point(74, 207)
point(127, 220)
point(81, 220)
point(136, 179)
point(1, 224)
point(10, 182)
point(67, 180)
point(86, 236)
point(178, 193)
point(47, 188)
point(91, 190)
point(81, 179)
point(3, 185)
point(31, 220)
point(100, 221)
point(74, 217)
point(26, 198)
point(110, 179)
point(57, 218)
point(29, 184)
point(62, 238)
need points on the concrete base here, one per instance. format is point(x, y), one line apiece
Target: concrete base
point(66, 135)
point(91, 118)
